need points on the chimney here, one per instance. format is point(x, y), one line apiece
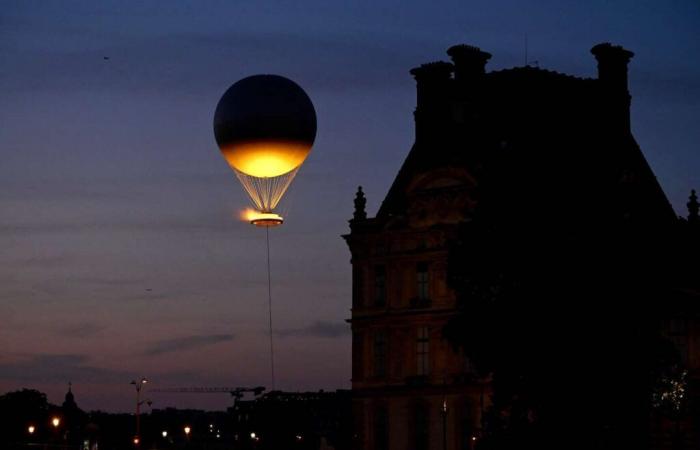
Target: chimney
point(469, 61)
point(612, 75)
point(433, 85)
point(612, 65)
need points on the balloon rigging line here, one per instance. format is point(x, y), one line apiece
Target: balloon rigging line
point(266, 192)
point(269, 304)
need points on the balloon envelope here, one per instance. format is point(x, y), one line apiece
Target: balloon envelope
point(265, 126)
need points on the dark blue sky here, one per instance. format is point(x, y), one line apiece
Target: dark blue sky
point(121, 253)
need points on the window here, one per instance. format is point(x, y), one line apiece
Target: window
point(677, 331)
point(421, 426)
point(357, 280)
point(423, 351)
point(422, 280)
point(380, 286)
point(676, 327)
point(381, 428)
point(380, 352)
point(357, 355)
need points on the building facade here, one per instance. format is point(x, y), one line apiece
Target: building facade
point(560, 145)
point(411, 388)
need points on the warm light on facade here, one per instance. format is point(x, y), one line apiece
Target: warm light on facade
point(55, 422)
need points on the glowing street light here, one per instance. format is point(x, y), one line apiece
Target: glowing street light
point(139, 385)
point(188, 430)
point(55, 422)
point(31, 429)
point(164, 433)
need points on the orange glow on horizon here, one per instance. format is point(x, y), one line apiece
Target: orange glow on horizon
point(266, 159)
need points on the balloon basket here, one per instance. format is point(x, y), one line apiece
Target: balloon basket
point(267, 220)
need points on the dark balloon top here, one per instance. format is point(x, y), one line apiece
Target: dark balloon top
point(264, 107)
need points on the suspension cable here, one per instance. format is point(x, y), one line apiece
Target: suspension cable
point(269, 304)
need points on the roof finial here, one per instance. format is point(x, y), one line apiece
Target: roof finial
point(360, 203)
point(693, 208)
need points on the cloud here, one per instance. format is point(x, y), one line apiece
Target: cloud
point(80, 330)
point(65, 367)
point(40, 262)
point(186, 343)
point(180, 225)
point(319, 328)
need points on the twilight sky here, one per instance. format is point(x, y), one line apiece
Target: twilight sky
point(121, 251)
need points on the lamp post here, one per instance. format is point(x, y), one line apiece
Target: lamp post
point(444, 423)
point(139, 385)
point(444, 410)
point(167, 439)
point(55, 435)
point(30, 432)
point(187, 430)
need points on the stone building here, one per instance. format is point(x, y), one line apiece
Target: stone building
point(536, 144)
point(411, 389)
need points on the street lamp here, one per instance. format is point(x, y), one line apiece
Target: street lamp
point(444, 423)
point(139, 385)
point(56, 421)
point(31, 429)
point(165, 434)
point(188, 430)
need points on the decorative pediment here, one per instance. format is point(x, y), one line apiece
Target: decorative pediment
point(443, 196)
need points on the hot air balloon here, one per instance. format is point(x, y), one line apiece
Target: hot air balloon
point(265, 126)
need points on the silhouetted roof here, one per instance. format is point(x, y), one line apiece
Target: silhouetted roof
point(546, 123)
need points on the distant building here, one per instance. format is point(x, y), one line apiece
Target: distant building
point(298, 420)
point(571, 157)
point(73, 418)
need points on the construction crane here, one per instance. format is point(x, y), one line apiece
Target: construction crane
point(237, 392)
